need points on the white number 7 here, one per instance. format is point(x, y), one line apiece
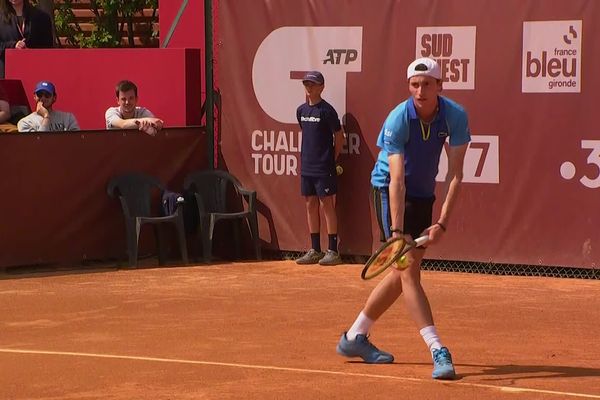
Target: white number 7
point(481, 161)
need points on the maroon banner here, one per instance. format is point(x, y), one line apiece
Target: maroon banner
point(54, 200)
point(525, 70)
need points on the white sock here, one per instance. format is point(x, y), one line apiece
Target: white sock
point(360, 327)
point(430, 336)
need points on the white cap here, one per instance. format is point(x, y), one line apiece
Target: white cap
point(424, 66)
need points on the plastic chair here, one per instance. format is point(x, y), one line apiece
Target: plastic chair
point(210, 188)
point(134, 191)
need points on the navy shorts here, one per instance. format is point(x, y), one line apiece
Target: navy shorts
point(417, 213)
point(321, 186)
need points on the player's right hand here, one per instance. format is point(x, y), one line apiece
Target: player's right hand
point(41, 110)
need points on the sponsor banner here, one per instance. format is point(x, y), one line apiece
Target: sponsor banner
point(482, 161)
point(453, 47)
point(531, 159)
point(552, 56)
point(278, 152)
point(287, 53)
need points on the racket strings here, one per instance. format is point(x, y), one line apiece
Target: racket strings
point(387, 255)
point(395, 252)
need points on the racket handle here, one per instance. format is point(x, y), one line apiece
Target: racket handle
point(420, 241)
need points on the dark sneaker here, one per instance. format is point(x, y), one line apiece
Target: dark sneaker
point(442, 364)
point(311, 257)
point(361, 347)
point(331, 258)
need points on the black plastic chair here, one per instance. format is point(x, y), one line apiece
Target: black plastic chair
point(210, 188)
point(134, 191)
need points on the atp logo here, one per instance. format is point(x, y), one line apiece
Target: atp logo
point(551, 57)
point(288, 52)
point(334, 56)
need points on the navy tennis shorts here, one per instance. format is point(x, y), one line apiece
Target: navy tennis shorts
point(321, 186)
point(417, 213)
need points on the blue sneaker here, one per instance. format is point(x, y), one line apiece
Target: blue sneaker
point(442, 364)
point(361, 347)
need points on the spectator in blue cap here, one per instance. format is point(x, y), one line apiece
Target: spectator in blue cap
point(45, 118)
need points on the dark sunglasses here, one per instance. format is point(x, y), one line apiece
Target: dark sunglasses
point(44, 94)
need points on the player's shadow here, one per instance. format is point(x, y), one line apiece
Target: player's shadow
point(513, 372)
point(518, 372)
point(354, 190)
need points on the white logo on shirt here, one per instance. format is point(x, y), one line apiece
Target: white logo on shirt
point(310, 119)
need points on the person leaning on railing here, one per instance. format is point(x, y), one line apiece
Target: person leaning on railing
point(23, 26)
point(128, 115)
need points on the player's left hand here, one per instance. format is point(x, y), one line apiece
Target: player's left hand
point(435, 233)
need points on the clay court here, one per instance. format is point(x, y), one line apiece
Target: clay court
point(268, 330)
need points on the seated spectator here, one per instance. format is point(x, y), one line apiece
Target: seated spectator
point(23, 26)
point(128, 115)
point(5, 124)
point(44, 118)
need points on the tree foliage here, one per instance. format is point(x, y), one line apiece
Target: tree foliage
point(113, 19)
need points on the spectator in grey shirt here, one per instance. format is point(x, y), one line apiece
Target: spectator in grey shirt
point(128, 115)
point(45, 118)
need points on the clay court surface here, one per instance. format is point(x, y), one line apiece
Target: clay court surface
point(268, 330)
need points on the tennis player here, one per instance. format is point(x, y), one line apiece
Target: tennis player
point(411, 141)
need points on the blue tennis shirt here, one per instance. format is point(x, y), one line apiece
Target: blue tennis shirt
point(402, 133)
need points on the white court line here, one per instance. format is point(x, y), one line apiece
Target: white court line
point(309, 371)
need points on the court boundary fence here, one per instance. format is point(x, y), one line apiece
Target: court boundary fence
point(488, 268)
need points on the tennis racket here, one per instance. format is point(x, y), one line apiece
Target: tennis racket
point(387, 255)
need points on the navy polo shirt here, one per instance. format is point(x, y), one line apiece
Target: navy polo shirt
point(402, 133)
point(318, 122)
